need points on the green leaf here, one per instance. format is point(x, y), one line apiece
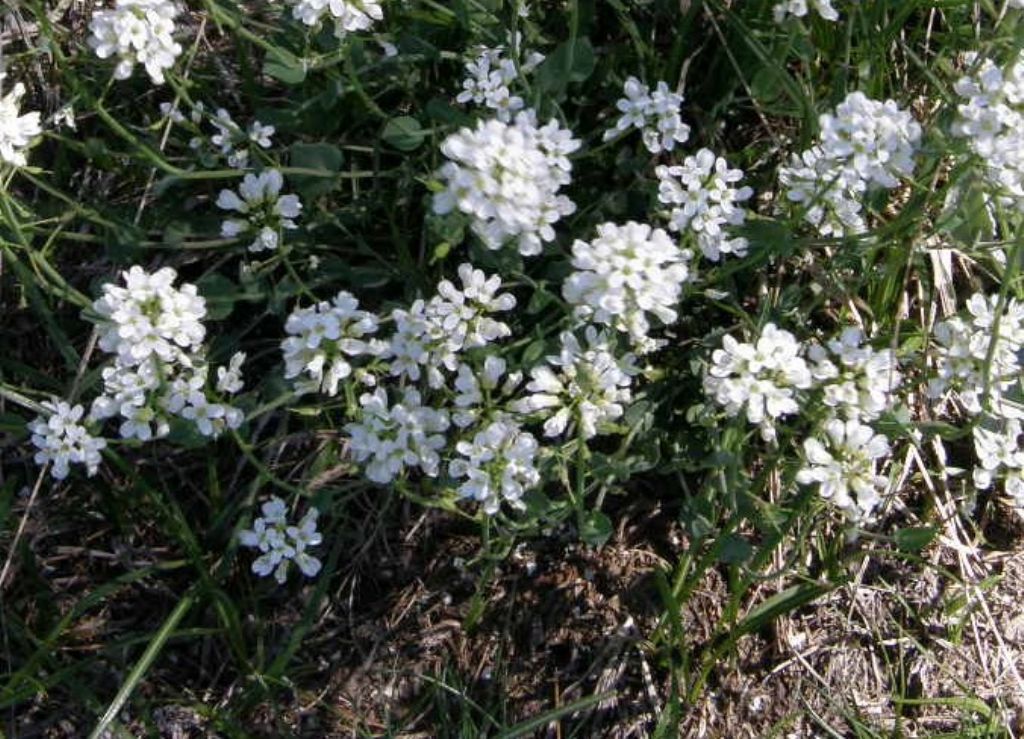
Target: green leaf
point(915, 538)
point(569, 62)
point(326, 158)
point(404, 133)
point(220, 294)
point(735, 549)
point(287, 68)
point(596, 528)
point(533, 352)
point(788, 600)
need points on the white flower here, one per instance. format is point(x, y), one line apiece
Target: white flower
point(281, 543)
point(866, 144)
point(704, 202)
point(497, 464)
point(992, 120)
point(656, 114)
point(62, 440)
point(324, 338)
point(760, 379)
point(155, 332)
point(799, 9)
point(348, 15)
point(968, 363)
point(433, 335)
point(488, 77)
point(16, 130)
point(137, 32)
point(585, 385)
point(392, 438)
point(150, 317)
point(266, 210)
point(858, 380)
point(229, 379)
point(623, 275)
point(999, 453)
point(845, 467)
point(506, 178)
point(232, 140)
point(478, 391)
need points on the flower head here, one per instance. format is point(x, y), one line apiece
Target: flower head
point(137, 32)
point(16, 130)
point(506, 178)
point(266, 211)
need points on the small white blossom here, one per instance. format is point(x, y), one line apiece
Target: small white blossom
point(488, 77)
point(280, 543)
point(347, 15)
point(323, 339)
point(760, 379)
point(266, 211)
point(969, 364)
point(232, 140)
point(585, 385)
point(392, 438)
point(137, 32)
point(498, 464)
point(845, 467)
point(1000, 454)
point(992, 121)
point(866, 144)
point(61, 439)
point(16, 130)
point(799, 8)
point(479, 391)
point(229, 379)
point(624, 274)
point(150, 317)
point(656, 114)
point(705, 202)
point(858, 380)
point(506, 178)
point(430, 336)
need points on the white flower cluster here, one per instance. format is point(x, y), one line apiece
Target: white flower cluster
point(488, 77)
point(62, 439)
point(16, 130)
point(992, 120)
point(155, 333)
point(478, 390)
point(858, 380)
point(845, 467)
point(760, 379)
point(281, 544)
point(624, 274)
point(266, 211)
point(866, 144)
point(323, 339)
point(348, 15)
point(498, 464)
point(974, 357)
point(137, 32)
point(799, 9)
point(705, 202)
point(978, 359)
point(585, 386)
point(232, 140)
point(397, 437)
point(506, 177)
point(431, 336)
point(656, 114)
point(1000, 453)
point(400, 429)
